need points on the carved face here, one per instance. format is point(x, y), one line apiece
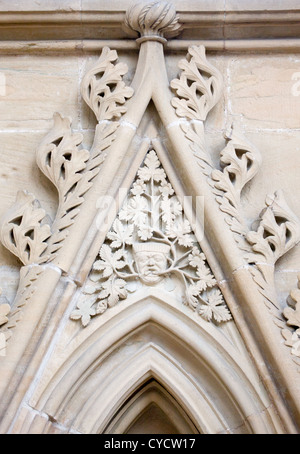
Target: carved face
point(150, 264)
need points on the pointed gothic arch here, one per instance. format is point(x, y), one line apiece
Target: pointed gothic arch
point(134, 416)
point(214, 385)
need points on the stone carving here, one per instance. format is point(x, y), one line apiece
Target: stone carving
point(26, 230)
point(151, 261)
point(4, 311)
point(240, 162)
point(199, 87)
point(151, 239)
point(23, 231)
point(60, 159)
point(103, 89)
point(277, 232)
point(8, 317)
point(292, 315)
point(151, 242)
point(156, 20)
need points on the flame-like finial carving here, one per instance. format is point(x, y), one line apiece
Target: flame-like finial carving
point(154, 21)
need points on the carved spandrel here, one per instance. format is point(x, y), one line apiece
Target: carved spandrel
point(151, 240)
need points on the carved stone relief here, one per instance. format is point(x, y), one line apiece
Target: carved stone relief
point(292, 315)
point(151, 239)
point(150, 242)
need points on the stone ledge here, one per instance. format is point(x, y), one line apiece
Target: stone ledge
point(200, 21)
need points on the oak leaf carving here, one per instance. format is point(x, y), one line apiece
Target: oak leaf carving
point(199, 87)
point(23, 231)
point(103, 89)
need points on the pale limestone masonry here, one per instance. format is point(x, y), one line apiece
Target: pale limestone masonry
point(150, 217)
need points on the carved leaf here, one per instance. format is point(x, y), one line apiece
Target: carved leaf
point(113, 290)
point(58, 155)
point(199, 87)
point(4, 311)
point(240, 161)
point(191, 294)
point(292, 315)
point(120, 234)
point(135, 210)
point(152, 169)
point(277, 233)
point(110, 261)
point(23, 232)
point(292, 312)
point(214, 308)
point(102, 87)
point(60, 159)
point(85, 310)
point(171, 209)
point(180, 230)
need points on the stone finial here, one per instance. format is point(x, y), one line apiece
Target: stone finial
point(152, 21)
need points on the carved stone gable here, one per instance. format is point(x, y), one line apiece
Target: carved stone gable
point(148, 282)
point(151, 243)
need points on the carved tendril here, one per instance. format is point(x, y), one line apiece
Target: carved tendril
point(199, 87)
point(240, 162)
point(103, 89)
point(61, 160)
point(26, 229)
point(278, 231)
point(292, 316)
point(23, 232)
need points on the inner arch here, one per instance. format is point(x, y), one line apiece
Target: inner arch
point(151, 410)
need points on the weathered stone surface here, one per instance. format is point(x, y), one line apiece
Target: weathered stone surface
point(263, 91)
point(32, 88)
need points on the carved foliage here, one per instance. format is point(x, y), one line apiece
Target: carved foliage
point(199, 87)
point(23, 231)
point(68, 167)
point(61, 160)
point(10, 316)
point(292, 315)
point(4, 311)
point(150, 240)
point(278, 231)
point(58, 155)
point(103, 89)
point(240, 162)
